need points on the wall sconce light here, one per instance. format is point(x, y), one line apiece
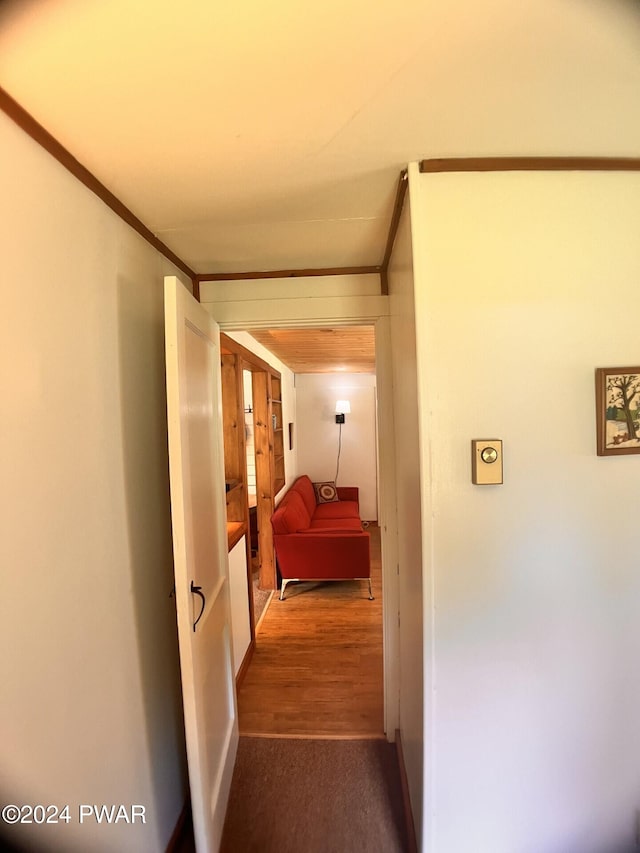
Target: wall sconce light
point(343, 408)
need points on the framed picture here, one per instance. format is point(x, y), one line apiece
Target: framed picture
point(618, 410)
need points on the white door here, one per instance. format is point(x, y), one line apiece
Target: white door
point(198, 510)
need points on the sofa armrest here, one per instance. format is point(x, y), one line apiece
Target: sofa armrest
point(348, 493)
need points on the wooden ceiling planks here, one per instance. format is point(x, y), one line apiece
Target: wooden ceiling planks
point(348, 349)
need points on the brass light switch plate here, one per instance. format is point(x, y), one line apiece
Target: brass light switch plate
point(486, 462)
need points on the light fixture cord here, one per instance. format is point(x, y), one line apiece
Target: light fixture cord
point(339, 447)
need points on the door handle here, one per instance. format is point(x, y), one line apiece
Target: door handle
point(197, 590)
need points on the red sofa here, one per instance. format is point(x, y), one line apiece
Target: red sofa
point(320, 542)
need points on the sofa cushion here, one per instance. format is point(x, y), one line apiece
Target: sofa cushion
point(335, 525)
point(291, 514)
point(304, 487)
point(339, 509)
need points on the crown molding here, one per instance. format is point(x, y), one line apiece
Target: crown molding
point(37, 132)
point(530, 164)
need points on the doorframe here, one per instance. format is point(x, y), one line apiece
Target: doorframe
point(387, 488)
point(246, 360)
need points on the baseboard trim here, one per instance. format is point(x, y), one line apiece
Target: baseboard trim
point(244, 666)
point(406, 800)
point(264, 612)
point(176, 835)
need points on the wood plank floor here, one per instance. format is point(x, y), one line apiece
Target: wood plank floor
point(317, 668)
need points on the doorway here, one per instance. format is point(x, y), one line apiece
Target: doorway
point(315, 415)
point(273, 306)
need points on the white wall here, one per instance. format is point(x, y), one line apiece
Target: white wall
point(410, 545)
point(91, 708)
point(283, 302)
point(524, 284)
point(239, 597)
point(316, 432)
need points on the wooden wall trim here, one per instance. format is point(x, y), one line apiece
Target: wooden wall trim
point(412, 842)
point(37, 132)
point(401, 193)
point(306, 273)
point(251, 361)
point(531, 164)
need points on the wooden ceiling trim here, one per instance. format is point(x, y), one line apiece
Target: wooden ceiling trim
point(531, 164)
point(401, 193)
point(301, 273)
point(37, 132)
point(229, 346)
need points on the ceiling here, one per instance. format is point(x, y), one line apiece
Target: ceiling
point(349, 349)
point(253, 136)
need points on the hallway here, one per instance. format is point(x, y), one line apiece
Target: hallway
point(314, 772)
point(317, 669)
point(306, 795)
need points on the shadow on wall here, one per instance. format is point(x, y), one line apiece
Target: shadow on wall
point(146, 484)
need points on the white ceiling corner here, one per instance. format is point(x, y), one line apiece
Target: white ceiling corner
point(255, 136)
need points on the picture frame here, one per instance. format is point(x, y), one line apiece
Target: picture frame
point(618, 410)
point(290, 436)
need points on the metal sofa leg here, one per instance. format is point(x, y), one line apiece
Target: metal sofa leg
point(370, 592)
point(284, 586)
